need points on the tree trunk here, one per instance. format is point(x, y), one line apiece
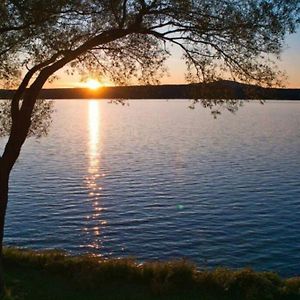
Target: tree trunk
point(21, 122)
point(4, 178)
point(19, 131)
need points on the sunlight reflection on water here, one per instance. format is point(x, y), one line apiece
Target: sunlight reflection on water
point(156, 180)
point(94, 150)
point(94, 125)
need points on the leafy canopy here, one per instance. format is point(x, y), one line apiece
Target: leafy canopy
point(127, 40)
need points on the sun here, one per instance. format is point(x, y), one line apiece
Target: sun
point(93, 84)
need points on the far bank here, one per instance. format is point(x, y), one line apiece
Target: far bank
point(214, 90)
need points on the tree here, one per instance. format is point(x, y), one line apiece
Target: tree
point(130, 40)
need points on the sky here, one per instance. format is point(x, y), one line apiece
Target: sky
point(290, 63)
point(291, 60)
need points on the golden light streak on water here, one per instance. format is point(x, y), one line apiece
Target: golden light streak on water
point(94, 120)
point(94, 176)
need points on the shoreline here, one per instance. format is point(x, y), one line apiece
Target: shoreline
point(55, 275)
point(214, 90)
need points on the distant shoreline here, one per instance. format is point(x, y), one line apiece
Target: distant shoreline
point(214, 90)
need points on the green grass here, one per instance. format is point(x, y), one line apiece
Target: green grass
point(53, 275)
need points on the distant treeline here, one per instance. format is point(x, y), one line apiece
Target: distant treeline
point(214, 90)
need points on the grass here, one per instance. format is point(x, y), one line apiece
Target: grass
point(51, 275)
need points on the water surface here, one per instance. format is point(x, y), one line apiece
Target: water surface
point(156, 180)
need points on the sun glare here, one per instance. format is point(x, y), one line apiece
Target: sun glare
point(93, 84)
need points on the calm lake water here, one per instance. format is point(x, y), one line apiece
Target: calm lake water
point(157, 180)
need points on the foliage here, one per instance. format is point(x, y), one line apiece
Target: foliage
point(60, 276)
point(40, 121)
point(235, 39)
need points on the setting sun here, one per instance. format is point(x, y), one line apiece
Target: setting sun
point(93, 84)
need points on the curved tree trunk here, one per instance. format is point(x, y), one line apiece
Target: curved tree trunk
point(4, 178)
point(18, 134)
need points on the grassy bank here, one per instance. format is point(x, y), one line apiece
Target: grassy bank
point(52, 275)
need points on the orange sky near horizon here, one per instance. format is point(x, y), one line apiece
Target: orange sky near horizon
point(290, 63)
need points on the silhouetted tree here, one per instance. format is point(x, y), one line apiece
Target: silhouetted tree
point(129, 40)
point(40, 120)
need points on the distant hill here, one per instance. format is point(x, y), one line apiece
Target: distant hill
point(214, 90)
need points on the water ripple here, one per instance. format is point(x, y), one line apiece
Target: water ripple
point(157, 181)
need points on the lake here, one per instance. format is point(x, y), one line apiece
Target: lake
point(157, 180)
